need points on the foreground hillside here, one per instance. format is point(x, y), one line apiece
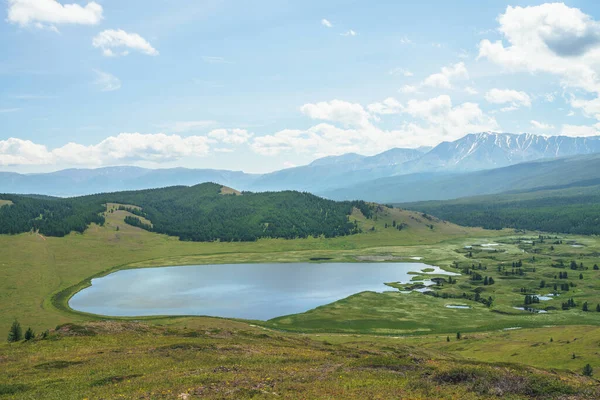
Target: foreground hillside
point(224, 360)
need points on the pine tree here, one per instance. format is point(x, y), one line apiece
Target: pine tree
point(29, 334)
point(458, 336)
point(580, 276)
point(585, 306)
point(15, 334)
point(588, 370)
point(447, 338)
point(598, 308)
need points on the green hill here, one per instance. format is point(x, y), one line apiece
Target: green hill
point(205, 212)
point(570, 208)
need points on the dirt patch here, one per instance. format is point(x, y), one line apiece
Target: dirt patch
point(228, 190)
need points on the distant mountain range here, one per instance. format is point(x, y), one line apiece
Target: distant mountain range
point(392, 176)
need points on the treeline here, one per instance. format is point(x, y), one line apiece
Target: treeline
point(51, 216)
point(197, 213)
point(564, 211)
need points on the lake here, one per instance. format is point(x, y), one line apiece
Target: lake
point(249, 291)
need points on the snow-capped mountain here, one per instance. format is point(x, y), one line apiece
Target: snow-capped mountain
point(479, 151)
point(489, 150)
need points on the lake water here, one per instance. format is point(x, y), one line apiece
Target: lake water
point(249, 291)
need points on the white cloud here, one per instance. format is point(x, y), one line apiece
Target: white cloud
point(580, 130)
point(402, 71)
point(387, 106)
point(9, 110)
point(405, 40)
point(551, 38)
point(231, 136)
point(540, 125)
point(514, 98)
point(46, 13)
point(471, 90)
point(550, 97)
point(409, 89)
point(123, 148)
point(326, 23)
point(112, 39)
point(349, 33)
point(348, 114)
point(443, 79)
point(570, 114)
point(107, 82)
point(436, 120)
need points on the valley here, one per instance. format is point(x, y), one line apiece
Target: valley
point(374, 324)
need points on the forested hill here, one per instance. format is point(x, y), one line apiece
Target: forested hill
point(571, 208)
point(199, 213)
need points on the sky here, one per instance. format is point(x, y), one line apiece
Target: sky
point(271, 84)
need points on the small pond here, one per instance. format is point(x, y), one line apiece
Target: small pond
point(249, 291)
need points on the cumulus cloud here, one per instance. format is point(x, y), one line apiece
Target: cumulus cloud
point(47, 13)
point(123, 148)
point(326, 23)
point(513, 98)
point(348, 114)
point(118, 43)
point(349, 33)
point(436, 119)
point(540, 125)
point(443, 79)
point(409, 89)
point(107, 82)
point(231, 136)
point(471, 90)
point(551, 38)
point(387, 106)
point(580, 130)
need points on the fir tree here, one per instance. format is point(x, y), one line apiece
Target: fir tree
point(588, 370)
point(15, 334)
point(29, 334)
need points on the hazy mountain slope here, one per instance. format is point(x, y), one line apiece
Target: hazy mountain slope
point(443, 186)
point(481, 151)
point(75, 182)
point(336, 171)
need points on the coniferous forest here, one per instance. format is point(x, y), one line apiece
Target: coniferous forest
point(197, 213)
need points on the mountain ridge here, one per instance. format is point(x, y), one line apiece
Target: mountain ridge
point(473, 152)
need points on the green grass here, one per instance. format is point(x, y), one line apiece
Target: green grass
point(133, 360)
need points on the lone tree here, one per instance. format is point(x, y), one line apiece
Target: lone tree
point(588, 370)
point(585, 306)
point(458, 335)
point(29, 334)
point(16, 333)
point(447, 338)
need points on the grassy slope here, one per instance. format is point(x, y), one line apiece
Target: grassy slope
point(234, 361)
point(5, 202)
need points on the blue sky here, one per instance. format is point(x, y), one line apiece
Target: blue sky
point(260, 87)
